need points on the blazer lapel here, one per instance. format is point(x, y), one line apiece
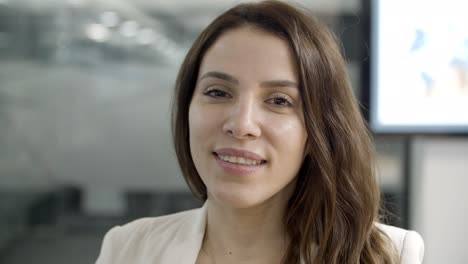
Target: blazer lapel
point(189, 238)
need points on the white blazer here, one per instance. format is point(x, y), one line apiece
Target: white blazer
point(177, 239)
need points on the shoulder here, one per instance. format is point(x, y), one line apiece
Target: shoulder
point(147, 238)
point(409, 244)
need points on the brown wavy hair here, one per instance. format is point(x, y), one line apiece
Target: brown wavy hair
point(331, 216)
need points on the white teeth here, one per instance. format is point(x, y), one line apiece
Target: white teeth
point(239, 160)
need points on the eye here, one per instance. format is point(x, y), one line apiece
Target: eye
point(283, 101)
point(216, 93)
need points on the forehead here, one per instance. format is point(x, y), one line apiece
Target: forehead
point(250, 52)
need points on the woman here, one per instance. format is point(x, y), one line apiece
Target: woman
point(268, 132)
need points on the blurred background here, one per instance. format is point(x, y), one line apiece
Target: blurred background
point(85, 142)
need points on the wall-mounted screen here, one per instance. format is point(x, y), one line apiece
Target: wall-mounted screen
point(419, 66)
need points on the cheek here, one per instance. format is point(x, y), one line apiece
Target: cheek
point(201, 124)
point(195, 125)
point(193, 120)
point(289, 130)
point(196, 134)
point(289, 141)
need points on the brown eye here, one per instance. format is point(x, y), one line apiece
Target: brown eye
point(280, 101)
point(216, 93)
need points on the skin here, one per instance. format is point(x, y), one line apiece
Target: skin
point(254, 105)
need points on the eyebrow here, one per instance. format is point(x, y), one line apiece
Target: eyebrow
point(279, 83)
point(234, 80)
point(220, 75)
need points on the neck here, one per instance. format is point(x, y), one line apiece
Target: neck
point(255, 234)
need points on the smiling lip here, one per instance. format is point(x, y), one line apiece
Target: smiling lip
point(238, 169)
point(239, 153)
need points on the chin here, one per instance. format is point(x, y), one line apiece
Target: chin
point(237, 199)
point(240, 198)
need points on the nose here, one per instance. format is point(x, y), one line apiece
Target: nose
point(242, 120)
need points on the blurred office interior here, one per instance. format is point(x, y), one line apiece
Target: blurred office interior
point(85, 141)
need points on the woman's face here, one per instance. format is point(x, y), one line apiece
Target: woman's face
point(247, 134)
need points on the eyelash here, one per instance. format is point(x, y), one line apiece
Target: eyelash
point(281, 101)
point(284, 101)
point(216, 93)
